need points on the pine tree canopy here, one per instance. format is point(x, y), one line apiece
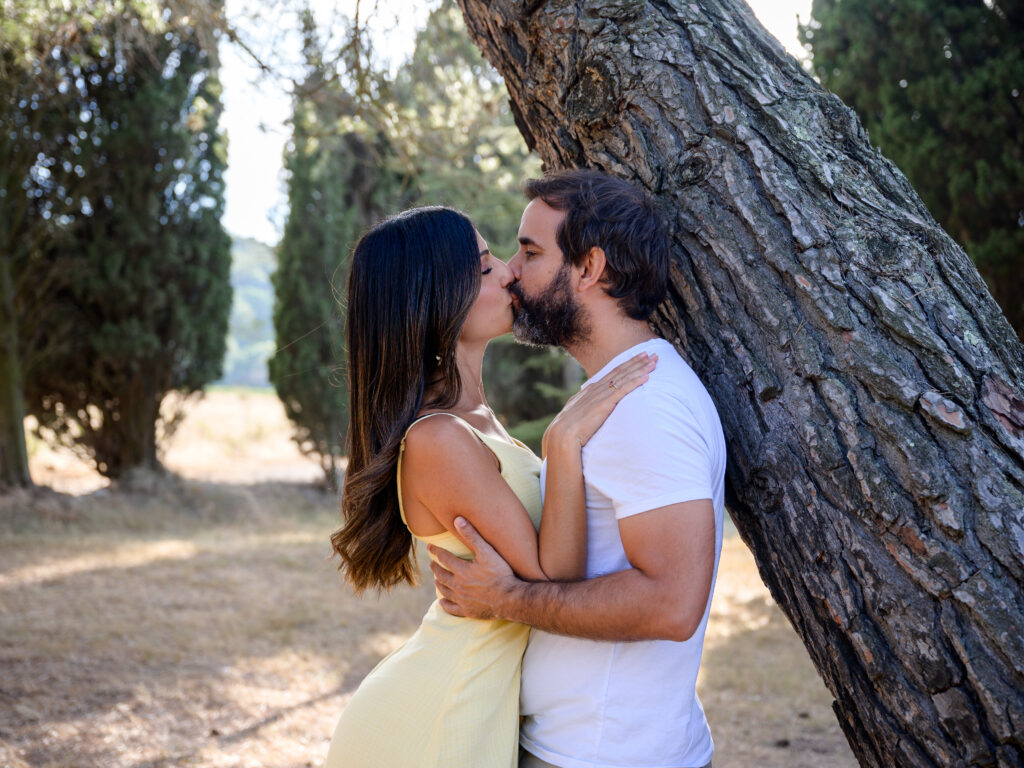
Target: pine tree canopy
point(939, 84)
point(364, 145)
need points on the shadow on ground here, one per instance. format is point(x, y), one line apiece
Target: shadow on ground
point(188, 623)
point(192, 624)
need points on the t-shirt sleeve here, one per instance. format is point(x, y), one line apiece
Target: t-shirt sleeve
point(650, 452)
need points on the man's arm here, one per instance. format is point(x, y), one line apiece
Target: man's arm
point(662, 596)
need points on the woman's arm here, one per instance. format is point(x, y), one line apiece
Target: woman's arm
point(563, 523)
point(448, 470)
point(563, 526)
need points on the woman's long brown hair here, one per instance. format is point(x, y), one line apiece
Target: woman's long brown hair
point(413, 279)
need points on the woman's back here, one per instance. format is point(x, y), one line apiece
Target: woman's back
point(453, 687)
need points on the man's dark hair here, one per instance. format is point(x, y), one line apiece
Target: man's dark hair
point(613, 215)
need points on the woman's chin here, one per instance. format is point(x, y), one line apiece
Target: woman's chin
point(504, 331)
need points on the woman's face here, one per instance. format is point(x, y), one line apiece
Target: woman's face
point(491, 313)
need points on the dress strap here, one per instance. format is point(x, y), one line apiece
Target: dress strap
point(427, 416)
point(401, 450)
point(484, 439)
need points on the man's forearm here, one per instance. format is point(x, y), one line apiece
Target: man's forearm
point(663, 596)
point(626, 605)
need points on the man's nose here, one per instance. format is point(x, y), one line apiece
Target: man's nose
point(507, 275)
point(513, 264)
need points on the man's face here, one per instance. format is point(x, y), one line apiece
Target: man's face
point(545, 306)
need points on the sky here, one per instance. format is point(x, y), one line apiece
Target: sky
point(257, 107)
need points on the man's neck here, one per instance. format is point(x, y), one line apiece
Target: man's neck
point(609, 337)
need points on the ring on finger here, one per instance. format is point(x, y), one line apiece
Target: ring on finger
point(612, 385)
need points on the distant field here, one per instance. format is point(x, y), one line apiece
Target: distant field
point(231, 434)
point(198, 621)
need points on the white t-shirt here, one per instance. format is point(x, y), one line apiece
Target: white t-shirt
point(599, 704)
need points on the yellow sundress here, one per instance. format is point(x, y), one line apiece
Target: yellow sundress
point(448, 697)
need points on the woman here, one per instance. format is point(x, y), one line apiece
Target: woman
point(425, 298)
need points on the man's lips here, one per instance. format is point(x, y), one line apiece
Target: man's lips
point(515, 292)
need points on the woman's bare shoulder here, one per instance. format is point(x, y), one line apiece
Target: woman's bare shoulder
point(441, 439)
point(439, 425)
point(444, 456)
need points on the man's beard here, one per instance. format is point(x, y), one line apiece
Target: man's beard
point(553, 317)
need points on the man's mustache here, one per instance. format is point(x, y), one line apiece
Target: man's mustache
point(516, 290)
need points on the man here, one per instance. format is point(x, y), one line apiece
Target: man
point(610, 672)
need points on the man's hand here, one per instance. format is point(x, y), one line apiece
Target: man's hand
point(662, 596)
point(472, 589)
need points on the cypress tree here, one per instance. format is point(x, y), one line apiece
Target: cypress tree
point(455, 135)
point(440, 133)
point(145, 275)
point(336, 189)
point(939, 85)
point(44, 51)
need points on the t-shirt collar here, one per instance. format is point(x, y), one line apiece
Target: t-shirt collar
point(623, 356)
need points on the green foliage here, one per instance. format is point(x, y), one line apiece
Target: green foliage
point(127, 200)
point(250, 341)
point(364, 145)
point(455, 130)
point(528, 383)
point(82, 29)
point(939, 84)
point(336, 189)
point(35, 100)
point(464, 150)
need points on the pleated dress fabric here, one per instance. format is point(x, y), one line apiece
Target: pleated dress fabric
point(448, 697)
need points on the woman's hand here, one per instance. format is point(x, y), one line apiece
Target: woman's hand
point(587, 410)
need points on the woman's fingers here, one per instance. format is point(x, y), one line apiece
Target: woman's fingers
point(633, 372)
point(623, 370)
point(613, 386)
point(587, 409)
point(624, 378)
point(591, 406)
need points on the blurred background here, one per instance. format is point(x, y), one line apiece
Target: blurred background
point(181, 184)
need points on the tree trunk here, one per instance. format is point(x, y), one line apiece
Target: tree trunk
point(13, 452)
point(869, 387)
point(125, 438)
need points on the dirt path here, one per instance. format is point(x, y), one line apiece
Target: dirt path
point(201, 623)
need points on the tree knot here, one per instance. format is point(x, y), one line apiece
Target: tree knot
point(693, 167)
point(594, 94)
point(764, 492)
point(617, 10)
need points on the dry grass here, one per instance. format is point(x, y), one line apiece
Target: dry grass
point(220, 636)
point(230, 436)
point(762, 696)
point(199, 622)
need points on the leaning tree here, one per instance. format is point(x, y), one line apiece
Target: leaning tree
point(869, 386)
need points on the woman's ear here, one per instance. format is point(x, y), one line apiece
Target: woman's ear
point(591, 269)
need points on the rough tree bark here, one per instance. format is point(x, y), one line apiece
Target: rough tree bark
point(869, 386)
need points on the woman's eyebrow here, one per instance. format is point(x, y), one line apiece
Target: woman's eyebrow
point(485, 252)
